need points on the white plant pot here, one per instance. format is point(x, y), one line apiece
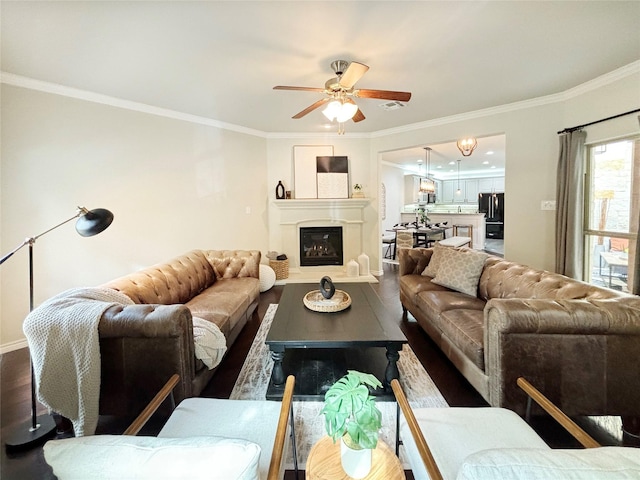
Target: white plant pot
point(355, 463)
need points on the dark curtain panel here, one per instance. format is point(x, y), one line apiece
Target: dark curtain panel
point(570, 203)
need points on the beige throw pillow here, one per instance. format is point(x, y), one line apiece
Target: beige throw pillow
point(460, 270)
point(431, 269)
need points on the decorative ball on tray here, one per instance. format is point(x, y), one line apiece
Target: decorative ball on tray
point(327, 299)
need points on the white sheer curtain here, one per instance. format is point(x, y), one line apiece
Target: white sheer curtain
point(570, 202)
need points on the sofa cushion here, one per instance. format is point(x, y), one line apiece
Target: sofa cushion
point(250, 419)
point(455, 433)
point(116, 456)
point(605, 463)
point(465, 328)
point(434, 302)
point(460, 270)
point(432, 267)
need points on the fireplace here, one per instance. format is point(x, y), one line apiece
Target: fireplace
point(320, 246)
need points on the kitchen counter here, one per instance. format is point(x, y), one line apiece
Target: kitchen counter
point(477, 220)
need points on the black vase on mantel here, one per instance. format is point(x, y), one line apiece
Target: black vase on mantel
point(280, 190)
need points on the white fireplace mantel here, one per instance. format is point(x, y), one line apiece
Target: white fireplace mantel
point(296, 213)
point(321, 203)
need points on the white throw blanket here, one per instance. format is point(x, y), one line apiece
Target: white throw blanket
point(65, 351)
point(63, 340)
point(210, 342)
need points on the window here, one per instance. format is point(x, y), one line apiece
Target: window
point(612, 212)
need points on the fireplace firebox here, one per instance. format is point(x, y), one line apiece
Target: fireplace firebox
point(320, 246)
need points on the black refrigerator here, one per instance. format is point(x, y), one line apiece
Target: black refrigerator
point(492, 205)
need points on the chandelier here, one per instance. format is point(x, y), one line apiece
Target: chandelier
point(426, 184)
point(467, 146)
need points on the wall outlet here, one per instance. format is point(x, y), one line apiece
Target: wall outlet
point(548, 205)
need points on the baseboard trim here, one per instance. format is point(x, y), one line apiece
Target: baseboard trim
point(11, 346)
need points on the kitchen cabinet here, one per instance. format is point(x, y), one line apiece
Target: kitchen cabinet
point(448, 191)
point(491, 185)
point(471, 191)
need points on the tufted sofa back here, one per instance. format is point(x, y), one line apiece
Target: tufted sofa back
point(176, 281)
point(503, 279)
point(234, 263)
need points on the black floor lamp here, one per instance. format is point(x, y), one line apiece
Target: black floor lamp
point(90, 222)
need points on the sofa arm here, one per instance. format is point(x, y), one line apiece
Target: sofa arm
point(146, 321)
point(140, 347)
point(412, 261)
point(576, 351)
point(234, 263)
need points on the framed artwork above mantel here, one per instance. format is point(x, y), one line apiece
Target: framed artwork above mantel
point(305, 183)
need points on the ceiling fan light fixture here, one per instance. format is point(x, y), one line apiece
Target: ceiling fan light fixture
point(340, 110)
point(467, 146)
point(332, 110)
point(347, 111)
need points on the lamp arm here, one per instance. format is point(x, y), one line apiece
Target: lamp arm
point(10, 254)
point(31, 240)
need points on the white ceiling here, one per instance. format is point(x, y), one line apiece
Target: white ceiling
point(220, 60)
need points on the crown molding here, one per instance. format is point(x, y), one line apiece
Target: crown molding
point(57, 89)
point(598, 82)
point(603, 80)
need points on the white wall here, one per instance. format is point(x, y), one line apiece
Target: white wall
point(362, 170)
point(393, 179)
point(531, 156)
point(173, 186)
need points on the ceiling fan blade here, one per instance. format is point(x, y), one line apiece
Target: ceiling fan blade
point(303, 89)
point(311, 108)
point(383, 94)
point(359, 116)
point(352, 74)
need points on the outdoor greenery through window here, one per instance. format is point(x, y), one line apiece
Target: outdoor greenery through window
point(612, 212)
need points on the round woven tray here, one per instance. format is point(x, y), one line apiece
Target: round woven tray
point(316, 302)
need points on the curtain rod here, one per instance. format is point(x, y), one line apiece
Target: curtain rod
point(573, 129)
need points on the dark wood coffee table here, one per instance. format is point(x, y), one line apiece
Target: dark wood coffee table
point(318, 348)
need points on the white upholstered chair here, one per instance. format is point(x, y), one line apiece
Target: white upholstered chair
point(203, 438)
point(495, 443)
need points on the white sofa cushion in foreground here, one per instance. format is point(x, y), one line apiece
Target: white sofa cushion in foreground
point(128, 457)
point(495, 443)
point(603, 463)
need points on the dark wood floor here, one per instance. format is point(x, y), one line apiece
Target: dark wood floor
point(15, 385)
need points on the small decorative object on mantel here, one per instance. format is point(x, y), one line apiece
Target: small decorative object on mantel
point(357, 191)
point(327, 299)
point(280, 190)
point(351, 415)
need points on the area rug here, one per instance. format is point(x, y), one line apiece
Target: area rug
point(254, 377)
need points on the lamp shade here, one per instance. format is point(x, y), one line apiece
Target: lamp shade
point(93, 222)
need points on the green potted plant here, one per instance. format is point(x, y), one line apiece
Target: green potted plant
point(352, 416)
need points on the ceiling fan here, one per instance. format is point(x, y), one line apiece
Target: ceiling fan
point(340, 90)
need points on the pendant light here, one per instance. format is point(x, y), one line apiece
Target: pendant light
point(426, 184)
point(459, 192)
point(467, 146)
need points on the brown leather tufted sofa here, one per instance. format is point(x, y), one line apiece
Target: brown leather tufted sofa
point(144, 344)
point(578, 343)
